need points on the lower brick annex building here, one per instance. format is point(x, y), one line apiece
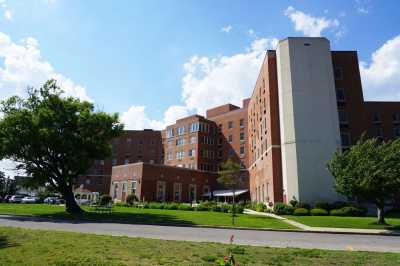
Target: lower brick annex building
point(306, 104)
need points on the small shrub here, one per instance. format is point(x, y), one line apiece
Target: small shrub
point(238, 208)
point(319, 212)
point(260, 207)
point(300, 212)
point(338, 205)
point(294, 202)
point(202, 207)
point(349, 211)
point(130, 199)
point(303, 205)
point(156, 205)
point(216, 208)
point(283, 209)
point(185, 207)
point(225, 208)
point(105, 200)
point(171, 206)
point(322, 205)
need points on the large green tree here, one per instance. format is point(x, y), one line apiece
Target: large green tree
point(55, 138)
point(229, 176)
point(369, 171)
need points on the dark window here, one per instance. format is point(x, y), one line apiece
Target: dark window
point(396, 118)
point(346, 141)
point(241, 136)
point(231, 152)
point(241, 122)
point(340, 95)
point(338, 72)
point(230, 124)
point(343, 117)
point(376, 118)
point(230, 138)
point(396, 132)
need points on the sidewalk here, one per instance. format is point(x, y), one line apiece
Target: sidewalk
point(325, 229)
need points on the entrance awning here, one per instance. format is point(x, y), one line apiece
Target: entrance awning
point(227, 193)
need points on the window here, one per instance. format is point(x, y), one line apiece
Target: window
point(101, 162)
point(128, 141)
point(177, 192)
point(220, 141)
point(241, 151)
point(343, 117)
point(241, 122)
point(220, 154)
point(126, 161)
point(220, 127)
point(396, 132)
point(170, 133)
point(160, 190)
point(241, 136)
point(192, 192)
point(170, 156)
point(338, 72)
point(191, 153)
point(230, 124)
point(133, 187)
point(124, 187)
point(396, 118)
point(346, 141)
point(181, 130)
point(376, 119)
point(230, 138)
point(88, 181)
point(192, 140)
point(194, 127)
point(114, 161)
point(180, 141)
point(340, 95)
point(231, 152)
point(377, 132)
point(206, 191)
point(180, 155)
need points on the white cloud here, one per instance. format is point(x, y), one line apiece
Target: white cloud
point(226, 29)
point(381, 78)
point(251, 32)
point(8, 167)
point(309, 25)
point(208, 82)
point(8, 14)
point(136, 117)
point(362, 10)
point(24, 66)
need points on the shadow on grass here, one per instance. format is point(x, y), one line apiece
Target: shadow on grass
point(114, 217)
point(5, 242)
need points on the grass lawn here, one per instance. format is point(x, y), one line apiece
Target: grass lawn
point(346, 222)
point(147, 216)
point(37, 247)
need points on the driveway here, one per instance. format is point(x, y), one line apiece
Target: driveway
point(244, 237)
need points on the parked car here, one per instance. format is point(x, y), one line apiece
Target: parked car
point(52, 200)
point(7, 198)
point(30, 200)
point(16, 199)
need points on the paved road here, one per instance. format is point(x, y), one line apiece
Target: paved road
point(245, 237)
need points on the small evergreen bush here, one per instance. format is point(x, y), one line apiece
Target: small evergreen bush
point(322, 205)
point(105, 200)
point(303, 205)
point(319, 212)
point(300, 212)
point(349, 211)
point(260, 207)
point(185, 207)
point(283, 209)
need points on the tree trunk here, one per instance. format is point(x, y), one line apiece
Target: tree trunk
point(70, 203)
point(381, 214)
point(233, 207)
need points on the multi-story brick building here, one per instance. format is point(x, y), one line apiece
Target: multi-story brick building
point(307, 103)
point(131, 147)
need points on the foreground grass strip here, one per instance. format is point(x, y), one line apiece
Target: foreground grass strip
point(148, 216)
point(346, 222)
point(37, 247)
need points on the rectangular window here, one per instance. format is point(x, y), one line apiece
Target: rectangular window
point(241, 151)
point(231, 152)
point(343, 117)
point(114, 161)
point(177, 192)
point(346, 141)
point(194, 127)
point(180, 155)
point(340, 96)
point(376, 118)
point(338, 72)
point(192, 193)
point(396, 118)
point(191, 153)
point(126, 161)
point(396, 132)
point(230, 124)
point(180, 141)
point(241, 136)
point(241, 122)
point(170, 133)
point(160, 190)
point(230, 138)
point(170, 156)
point(193, 139)
point(181, 130)
point(206, 191)
point(133, 187)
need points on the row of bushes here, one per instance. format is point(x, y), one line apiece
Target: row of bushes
point(284, 209)
point(320, 205)
point(204, 206)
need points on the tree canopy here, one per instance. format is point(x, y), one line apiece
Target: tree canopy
point(369, 171)
point(55, 138)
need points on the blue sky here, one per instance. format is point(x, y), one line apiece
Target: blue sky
point(154, 61)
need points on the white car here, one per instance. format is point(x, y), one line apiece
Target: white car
point(16, 199)
point(30, 200)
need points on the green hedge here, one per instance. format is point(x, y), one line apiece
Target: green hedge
point(322, 205)
point(301, 212)
point(349, 211)
point(283, 209)
point(319, 212)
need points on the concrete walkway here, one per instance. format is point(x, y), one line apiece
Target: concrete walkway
point(280, 239)
point(324, 229)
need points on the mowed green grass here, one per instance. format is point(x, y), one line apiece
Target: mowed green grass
point(37, 247)
point(346, 222)
point(147, 216)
